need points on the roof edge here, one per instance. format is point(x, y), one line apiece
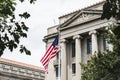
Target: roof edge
point(20, 64)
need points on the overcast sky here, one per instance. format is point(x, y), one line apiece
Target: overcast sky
point(44, 14)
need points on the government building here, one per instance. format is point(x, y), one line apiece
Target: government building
point(13, 70)
point(80, 37)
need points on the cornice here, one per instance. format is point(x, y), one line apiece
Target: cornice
point(50, 36)
point(13, 69)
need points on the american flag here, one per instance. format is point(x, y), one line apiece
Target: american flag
point(50, 53)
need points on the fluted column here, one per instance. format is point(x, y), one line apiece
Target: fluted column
point(78, 56)
point(63, 60)
point(94, 41)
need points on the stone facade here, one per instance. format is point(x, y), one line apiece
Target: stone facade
point(81, 36)
point(12, 70)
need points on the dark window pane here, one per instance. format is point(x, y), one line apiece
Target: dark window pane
point(57, 71)
point(73, 49)
point(89, 46)
point(73, 68)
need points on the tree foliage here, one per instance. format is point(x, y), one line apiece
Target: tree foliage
point(111, 8)
point(11, 30)
point(106, 65)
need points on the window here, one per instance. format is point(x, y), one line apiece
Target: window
point(89, 46)
point(73, 49)
point(73, 68)
point(57, 71)
point(105, 43)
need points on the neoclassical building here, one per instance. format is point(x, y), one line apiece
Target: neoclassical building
point(12, 70)
point(81, 35)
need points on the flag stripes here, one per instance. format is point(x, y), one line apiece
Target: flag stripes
point(50, 53)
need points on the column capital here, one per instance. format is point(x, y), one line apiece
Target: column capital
point(77, 37)
point(93, 32)
point(63, 40)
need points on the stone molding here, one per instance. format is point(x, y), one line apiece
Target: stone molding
point(93, 32)
point(77, 37)
point(63, 41)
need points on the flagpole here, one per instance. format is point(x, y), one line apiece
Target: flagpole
point(59, 60)
point(59, 65)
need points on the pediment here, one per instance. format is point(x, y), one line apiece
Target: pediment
point(81, 18)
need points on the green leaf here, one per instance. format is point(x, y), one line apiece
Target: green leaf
point(21, 0)
point(11, 45)
point(32, 1)
point(23, 49)
point(16, 37)
point(23, 34)
point(6, 37)
point(24, 15)
point(24, 26)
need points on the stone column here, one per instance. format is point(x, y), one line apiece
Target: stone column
point(94, 41)
point(78, 56)
point(63, 60)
